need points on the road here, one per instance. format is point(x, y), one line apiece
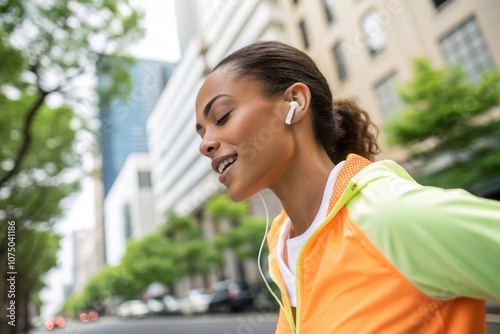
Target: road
point(244, 323)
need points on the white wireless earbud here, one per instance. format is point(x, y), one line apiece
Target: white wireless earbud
point(293, 105)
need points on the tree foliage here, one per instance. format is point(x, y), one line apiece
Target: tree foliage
point(151, 259)
point(195, 255)
point(46, 46)
point(34, 194)
point(245, 239)
point(450, 126)
point(222, 207)
point(46, 49)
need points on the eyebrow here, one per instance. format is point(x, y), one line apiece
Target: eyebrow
point(207, 108)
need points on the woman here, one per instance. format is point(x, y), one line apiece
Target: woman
point(360, 247)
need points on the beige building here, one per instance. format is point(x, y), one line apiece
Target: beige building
point(365, 47)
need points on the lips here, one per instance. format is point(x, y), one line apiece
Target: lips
point(220, 164)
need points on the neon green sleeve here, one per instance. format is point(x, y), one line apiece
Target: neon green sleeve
point(446, 242)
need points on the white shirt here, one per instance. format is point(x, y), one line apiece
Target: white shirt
point(295, 244)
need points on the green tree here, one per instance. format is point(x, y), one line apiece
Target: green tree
point(46, 48)
point(245, 239)
point(74, 304)
point(53, 44)
point(222, 207)
point(32, 199)
point(35, 254)
point(151, 259)
point(107, 283)
point(196, 255)
point(448, 118)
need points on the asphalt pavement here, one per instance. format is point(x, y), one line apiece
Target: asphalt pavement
point(239, 323)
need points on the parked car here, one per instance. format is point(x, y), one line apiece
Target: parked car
point(194, 302)
point(493, 307)
point(155, 306)
point(228, 296)
point(171, 304)
point(133, 309)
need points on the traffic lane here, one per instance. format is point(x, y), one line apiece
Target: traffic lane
point(249, 323)
point(493, 323)
point(240, 323)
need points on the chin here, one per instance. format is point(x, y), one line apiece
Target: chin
point(238, 196)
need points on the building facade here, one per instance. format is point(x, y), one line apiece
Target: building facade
point(365, 48)
point(123, 122)
point(85, 262)
point(128, 208)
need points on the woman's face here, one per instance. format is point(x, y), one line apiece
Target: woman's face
point(242, 132)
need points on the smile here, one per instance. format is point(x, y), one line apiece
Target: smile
point(226, 163)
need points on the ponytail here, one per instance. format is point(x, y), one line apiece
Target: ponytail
point(353, 132)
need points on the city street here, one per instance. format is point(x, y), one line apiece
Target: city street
point(242, 323)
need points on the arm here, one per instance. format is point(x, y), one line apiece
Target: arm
point(446, 242)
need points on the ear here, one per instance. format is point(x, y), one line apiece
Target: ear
point(300, 93)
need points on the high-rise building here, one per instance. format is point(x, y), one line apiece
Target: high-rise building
point(187, 13)
point(123, 122)
point(128, 208)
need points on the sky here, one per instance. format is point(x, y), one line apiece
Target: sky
point(161, 31)
point(160, 43)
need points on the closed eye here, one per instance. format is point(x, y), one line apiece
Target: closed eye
point(224, 118)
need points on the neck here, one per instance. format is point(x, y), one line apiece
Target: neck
point(302, 187)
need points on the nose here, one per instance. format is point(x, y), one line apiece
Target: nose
point(207, 146)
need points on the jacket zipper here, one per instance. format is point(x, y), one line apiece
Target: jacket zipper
point(288, 315)
point(350, 187)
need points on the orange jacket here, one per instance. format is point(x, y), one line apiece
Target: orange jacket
point(345, 285)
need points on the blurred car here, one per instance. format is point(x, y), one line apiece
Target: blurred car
point(171, 305)
point(156, 307)
point(194, 302)
point(133, 309)
point(228, 296)
point(56, 322)
point(492, 307)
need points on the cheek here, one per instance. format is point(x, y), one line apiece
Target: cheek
point(256, 140)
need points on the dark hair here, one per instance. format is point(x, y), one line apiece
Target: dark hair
point(341, 127)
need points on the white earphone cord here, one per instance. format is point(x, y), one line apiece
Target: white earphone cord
point(263, 239)
point(260, 251)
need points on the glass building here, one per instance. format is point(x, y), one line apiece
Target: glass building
point(123, 121)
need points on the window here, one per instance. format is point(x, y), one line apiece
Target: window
point(340, 61)
point(439, 3)
point(329, 11)
point(466, 46)
point(374, 34)
point(303, 31)
point(144, 179)
point(389, 100)
point(127, 221)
